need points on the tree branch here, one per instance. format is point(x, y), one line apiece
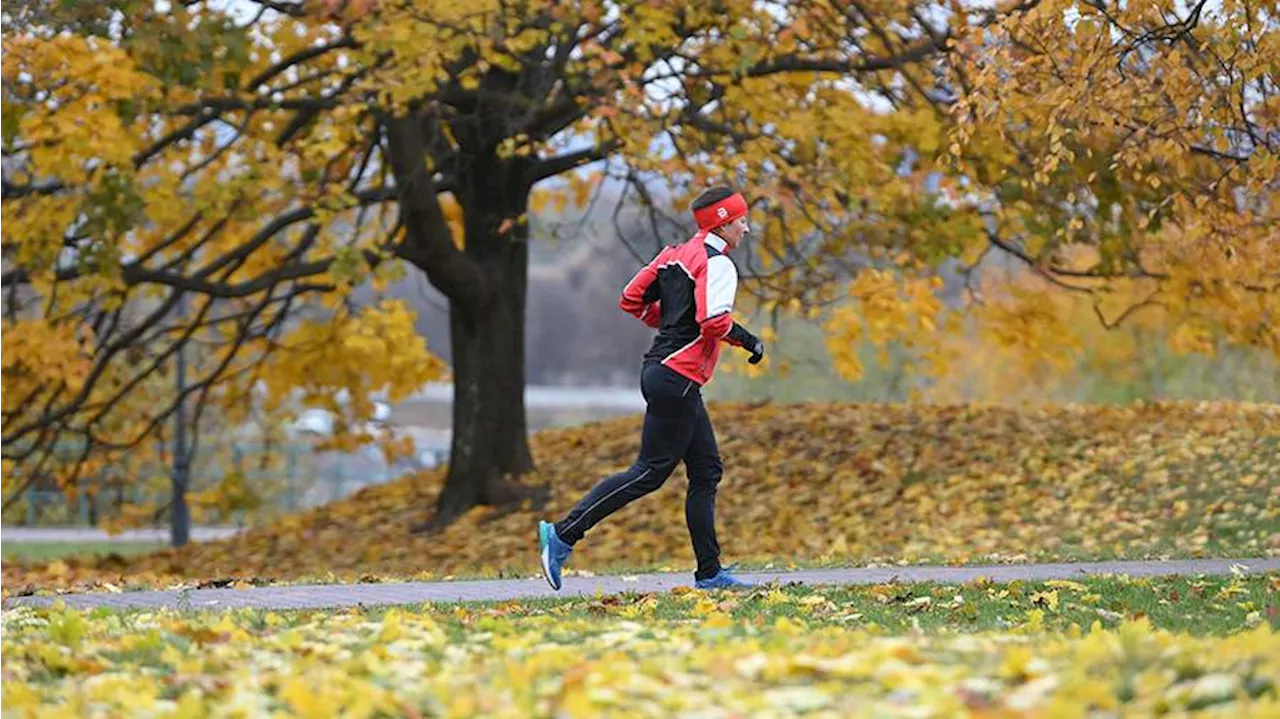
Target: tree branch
point(1052, 273)
point(871, 63)
point(297, 58)
point(297, 9)
point(224, 290)
point(134, 272)
point(10, 191)
point(562, 163)
point(428, 242)
point(185, 132)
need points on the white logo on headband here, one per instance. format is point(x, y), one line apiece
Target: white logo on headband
point(722, 212)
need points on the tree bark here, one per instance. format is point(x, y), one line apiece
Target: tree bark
point(485, 282)
point(489, 445)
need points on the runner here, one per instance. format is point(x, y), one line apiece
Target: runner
point(686, 293)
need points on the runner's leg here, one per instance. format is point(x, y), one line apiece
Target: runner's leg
point(669, 422)
point(702, 464)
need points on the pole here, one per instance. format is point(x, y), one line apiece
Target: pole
point(179, 513)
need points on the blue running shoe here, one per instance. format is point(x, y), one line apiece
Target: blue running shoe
point(553, 552)
point(723, 580)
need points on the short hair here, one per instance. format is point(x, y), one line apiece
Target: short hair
point(711, 196)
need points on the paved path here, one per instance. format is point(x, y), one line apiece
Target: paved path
point(29, 535)
point(346, 595)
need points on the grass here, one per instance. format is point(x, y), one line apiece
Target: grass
point(1215, 605)
point(530, 570)
point(1197, 605)
point(1107, 646)
point(49, 551)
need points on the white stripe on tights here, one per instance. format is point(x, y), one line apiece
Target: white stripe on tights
point(596, 503)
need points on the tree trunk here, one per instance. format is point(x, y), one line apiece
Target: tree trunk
point(485, 282)
point(490, 445)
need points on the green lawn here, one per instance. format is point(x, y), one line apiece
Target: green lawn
point(1196, 605)
point(49, 551)
point(1101, 646)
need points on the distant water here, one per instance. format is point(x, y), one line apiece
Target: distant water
point(548, 397)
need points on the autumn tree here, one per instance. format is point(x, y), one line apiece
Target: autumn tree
point(170, 152)
point(262, 165)
point(161, 196)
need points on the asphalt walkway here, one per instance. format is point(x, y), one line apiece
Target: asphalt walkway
point(42, 535)
point(347, 595)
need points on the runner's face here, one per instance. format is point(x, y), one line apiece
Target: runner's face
point(733, 232)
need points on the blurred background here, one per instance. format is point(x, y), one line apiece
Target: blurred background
point(582, 358)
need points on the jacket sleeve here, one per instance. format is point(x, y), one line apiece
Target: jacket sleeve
point(641, 297)
point(715, 301)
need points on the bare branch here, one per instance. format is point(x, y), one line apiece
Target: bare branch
point(562, 163)
point(1150, 301)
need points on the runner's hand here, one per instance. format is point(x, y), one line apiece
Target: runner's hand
point(757, 352)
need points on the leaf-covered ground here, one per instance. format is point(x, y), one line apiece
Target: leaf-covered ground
point(1113, 646)
point(811, 483)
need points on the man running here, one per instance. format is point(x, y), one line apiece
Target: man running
point(686, 292)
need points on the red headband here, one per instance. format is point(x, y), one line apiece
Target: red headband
point(721, 213)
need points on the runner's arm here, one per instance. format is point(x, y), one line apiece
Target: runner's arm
point(721, 287)
point(640, 297)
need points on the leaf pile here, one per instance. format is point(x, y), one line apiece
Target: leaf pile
point(497, 662)
point(836, 483)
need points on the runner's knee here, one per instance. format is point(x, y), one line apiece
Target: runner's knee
point(705, 471)
point(653, 473)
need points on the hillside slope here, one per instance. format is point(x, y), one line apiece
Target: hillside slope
point(847, 483)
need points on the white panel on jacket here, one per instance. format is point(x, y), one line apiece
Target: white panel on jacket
point(722, 284)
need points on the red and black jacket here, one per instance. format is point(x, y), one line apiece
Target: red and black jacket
point(687, 292)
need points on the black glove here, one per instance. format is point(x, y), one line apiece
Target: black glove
point(741, 337)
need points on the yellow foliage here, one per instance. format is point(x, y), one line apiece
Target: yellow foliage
point(37, 353)
point(1029, 329)
point(887, 310)
point(1090, 146)
point(134, 176)
point(77, 128)
point(375, 351)
point(512, 662)
point(1191, 336)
